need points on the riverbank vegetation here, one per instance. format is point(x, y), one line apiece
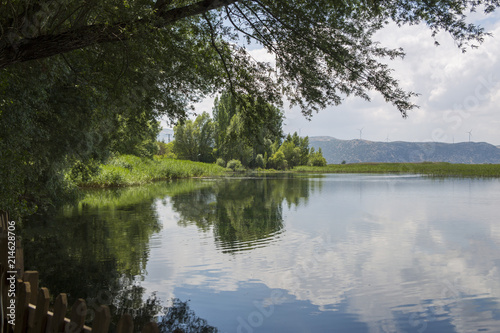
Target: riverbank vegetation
point(127, 170)
point(437, 169)
point(234, 139)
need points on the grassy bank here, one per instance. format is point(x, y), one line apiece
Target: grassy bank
point(127, 170)
point(427, 168)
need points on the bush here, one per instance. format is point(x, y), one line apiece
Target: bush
point(277, 161)
point(260, 162)
point(221, 162)
point(316, 159)
point(235, 165)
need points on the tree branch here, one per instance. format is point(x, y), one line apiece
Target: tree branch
point(52, 44)
point(221, 56)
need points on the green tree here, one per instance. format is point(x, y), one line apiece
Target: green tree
point(70, 69)
point(277, 161)
point(316, 158)
point(291, 153)
point(245, 127)
point(194, 139)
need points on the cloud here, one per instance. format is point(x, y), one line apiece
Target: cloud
point(459, 92)
point(439, 264)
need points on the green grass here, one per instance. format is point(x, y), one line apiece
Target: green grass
point(127, 170)
point(426, 168)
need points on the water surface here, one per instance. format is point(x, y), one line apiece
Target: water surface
point(289, 253)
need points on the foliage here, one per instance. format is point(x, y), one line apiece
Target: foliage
point(220, 162)
point(235, 165)
point(316, 158)
point(245, 127)
point(294, 151)
point(277, 161)
point(166, 149)
point(194, 140)
point(82, 79)
point(128, 170)
point(260, 162)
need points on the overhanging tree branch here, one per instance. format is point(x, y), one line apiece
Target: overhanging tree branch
point(19, 50)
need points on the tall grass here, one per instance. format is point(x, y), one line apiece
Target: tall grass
point(426, 168)
point(126, 170)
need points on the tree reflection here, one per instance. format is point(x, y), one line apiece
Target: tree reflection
point(98, 250)
point(242, 212)
point(180, 318)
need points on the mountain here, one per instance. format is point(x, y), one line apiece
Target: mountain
point(356, 151)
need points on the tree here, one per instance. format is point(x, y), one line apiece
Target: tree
point(316, 158)
point(70, 69)
point(194, 140)
point(245, 127)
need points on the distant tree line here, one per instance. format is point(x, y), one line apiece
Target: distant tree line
point(234, 139)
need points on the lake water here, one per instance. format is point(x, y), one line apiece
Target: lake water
point(286, 253)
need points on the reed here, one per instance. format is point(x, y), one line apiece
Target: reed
point(436, 169)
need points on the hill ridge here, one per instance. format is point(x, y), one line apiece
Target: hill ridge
point(360, 150)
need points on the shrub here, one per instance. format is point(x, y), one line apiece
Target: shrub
point(235, 165)
point(316, 159)
point(260, 162)
point(277, 161)
point(221, 162)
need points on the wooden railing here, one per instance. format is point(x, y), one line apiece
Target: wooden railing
point(28, 311)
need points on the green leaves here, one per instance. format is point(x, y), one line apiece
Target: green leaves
point(195, 140)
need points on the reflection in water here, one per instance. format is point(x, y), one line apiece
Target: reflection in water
point(98, 250)
point(363, 253)
point(245, 213)
point(180, 318)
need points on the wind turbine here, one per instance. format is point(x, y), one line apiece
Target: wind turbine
point(360, 132)
point(470, 134)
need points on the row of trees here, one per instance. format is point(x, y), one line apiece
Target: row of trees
point(233, 135)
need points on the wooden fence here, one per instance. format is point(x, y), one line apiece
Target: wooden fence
point(30, 313)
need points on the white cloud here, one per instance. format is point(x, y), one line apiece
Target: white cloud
point(459, 92)
point(357, 261)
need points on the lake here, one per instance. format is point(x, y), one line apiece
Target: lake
point(284, 253)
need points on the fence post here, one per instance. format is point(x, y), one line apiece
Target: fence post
point(32, 278)
point(125, 325)
point(22, 306)
point(150, 327)
point(56, 325)
point(77, 319)
point(39, 323)
point(102, 320)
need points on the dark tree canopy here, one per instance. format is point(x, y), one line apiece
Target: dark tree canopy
point(74, 73)
point(323, 49)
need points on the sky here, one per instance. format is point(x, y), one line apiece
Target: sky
point(459, 93)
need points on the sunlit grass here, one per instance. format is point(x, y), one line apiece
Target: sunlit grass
point(440, 169)
point(127, 170)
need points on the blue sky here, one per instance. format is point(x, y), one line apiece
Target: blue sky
point(460, 93)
